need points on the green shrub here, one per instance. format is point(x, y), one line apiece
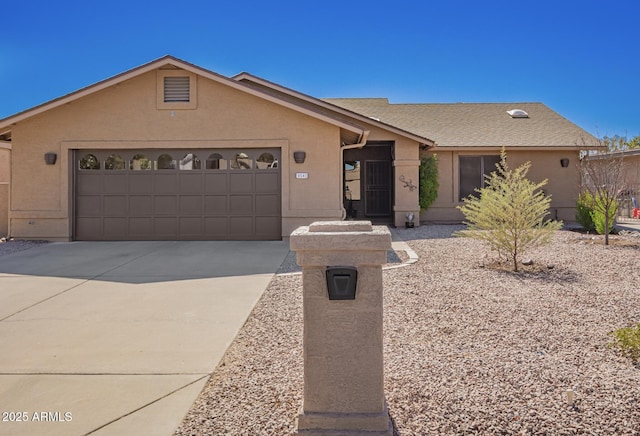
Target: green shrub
point(627, 340)
point(584, 211)
point(598, 217)
point(590, 216)
point(428, 181)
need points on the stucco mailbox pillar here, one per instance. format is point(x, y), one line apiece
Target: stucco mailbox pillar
point(343, 356)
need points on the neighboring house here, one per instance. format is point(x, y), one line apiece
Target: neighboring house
point(629, 199)
point(5, 158)
point(632, 163)
point(173, 151)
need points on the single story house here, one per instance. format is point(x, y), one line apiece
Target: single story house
point(173, 151)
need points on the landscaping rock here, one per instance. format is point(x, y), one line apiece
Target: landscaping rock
point(468, 350)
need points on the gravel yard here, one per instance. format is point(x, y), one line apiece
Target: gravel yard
point(10, 246)
point(468, 349)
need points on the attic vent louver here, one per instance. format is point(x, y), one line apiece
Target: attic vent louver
point(518, 113)
point(176, 89)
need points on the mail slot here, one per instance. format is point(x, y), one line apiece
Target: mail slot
point(342, 282)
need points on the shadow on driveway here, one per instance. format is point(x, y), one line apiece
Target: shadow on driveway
point(147, 262)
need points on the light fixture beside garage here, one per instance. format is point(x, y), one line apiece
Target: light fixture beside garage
point(564, 162)
point(50, 158)
point(299, 156)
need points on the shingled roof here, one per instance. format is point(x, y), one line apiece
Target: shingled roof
point(475, 124)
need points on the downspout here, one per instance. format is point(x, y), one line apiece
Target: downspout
point(362, 141)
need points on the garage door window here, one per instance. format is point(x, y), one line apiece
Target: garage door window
point(190, 162)
point(241, 162)
point(89, 162)
point(166, 162)
point(114, 162)
point(266, 161)
point(215, 161)
point(140, 163)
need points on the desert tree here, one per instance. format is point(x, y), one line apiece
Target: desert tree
point(633, 143)
point(603, 178)
point(509, 213)
point(619, 143)
point(613, 143)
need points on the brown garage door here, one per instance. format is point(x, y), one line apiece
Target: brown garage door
point(200, 194)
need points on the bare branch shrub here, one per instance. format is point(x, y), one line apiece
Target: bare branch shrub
point(604, 179)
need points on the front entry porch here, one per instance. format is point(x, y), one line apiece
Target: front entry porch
point(368, 183)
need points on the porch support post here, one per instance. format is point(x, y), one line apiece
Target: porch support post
point(407, 181)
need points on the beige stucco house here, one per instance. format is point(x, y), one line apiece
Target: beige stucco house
point(632, 172)
point(629, 171)
point(173, 151)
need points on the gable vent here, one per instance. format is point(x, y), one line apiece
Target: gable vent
point(176, 89)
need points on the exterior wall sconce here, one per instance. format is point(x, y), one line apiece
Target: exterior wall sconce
point(564, 162)
point(50, 158)
point(299, 156)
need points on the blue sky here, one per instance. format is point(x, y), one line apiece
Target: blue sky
point(581, 58)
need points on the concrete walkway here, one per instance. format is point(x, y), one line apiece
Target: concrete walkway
point(119, 338)
point(632, 225)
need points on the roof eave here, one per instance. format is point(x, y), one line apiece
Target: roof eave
point(332, 107)
point(88, 90)
point(5, 124)
point(616, 154)
point(559, 147)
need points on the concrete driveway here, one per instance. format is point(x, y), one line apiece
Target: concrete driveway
point(119, 338)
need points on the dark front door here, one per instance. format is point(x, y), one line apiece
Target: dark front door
point(377, 187)
point(368, 182)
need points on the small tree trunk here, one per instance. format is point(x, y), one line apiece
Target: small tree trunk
point(606, 227)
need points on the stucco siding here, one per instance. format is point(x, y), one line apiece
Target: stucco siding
point(563, 183)
point(126, 116)
point(130, 112)
point(633, 173)
point(5, 156)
